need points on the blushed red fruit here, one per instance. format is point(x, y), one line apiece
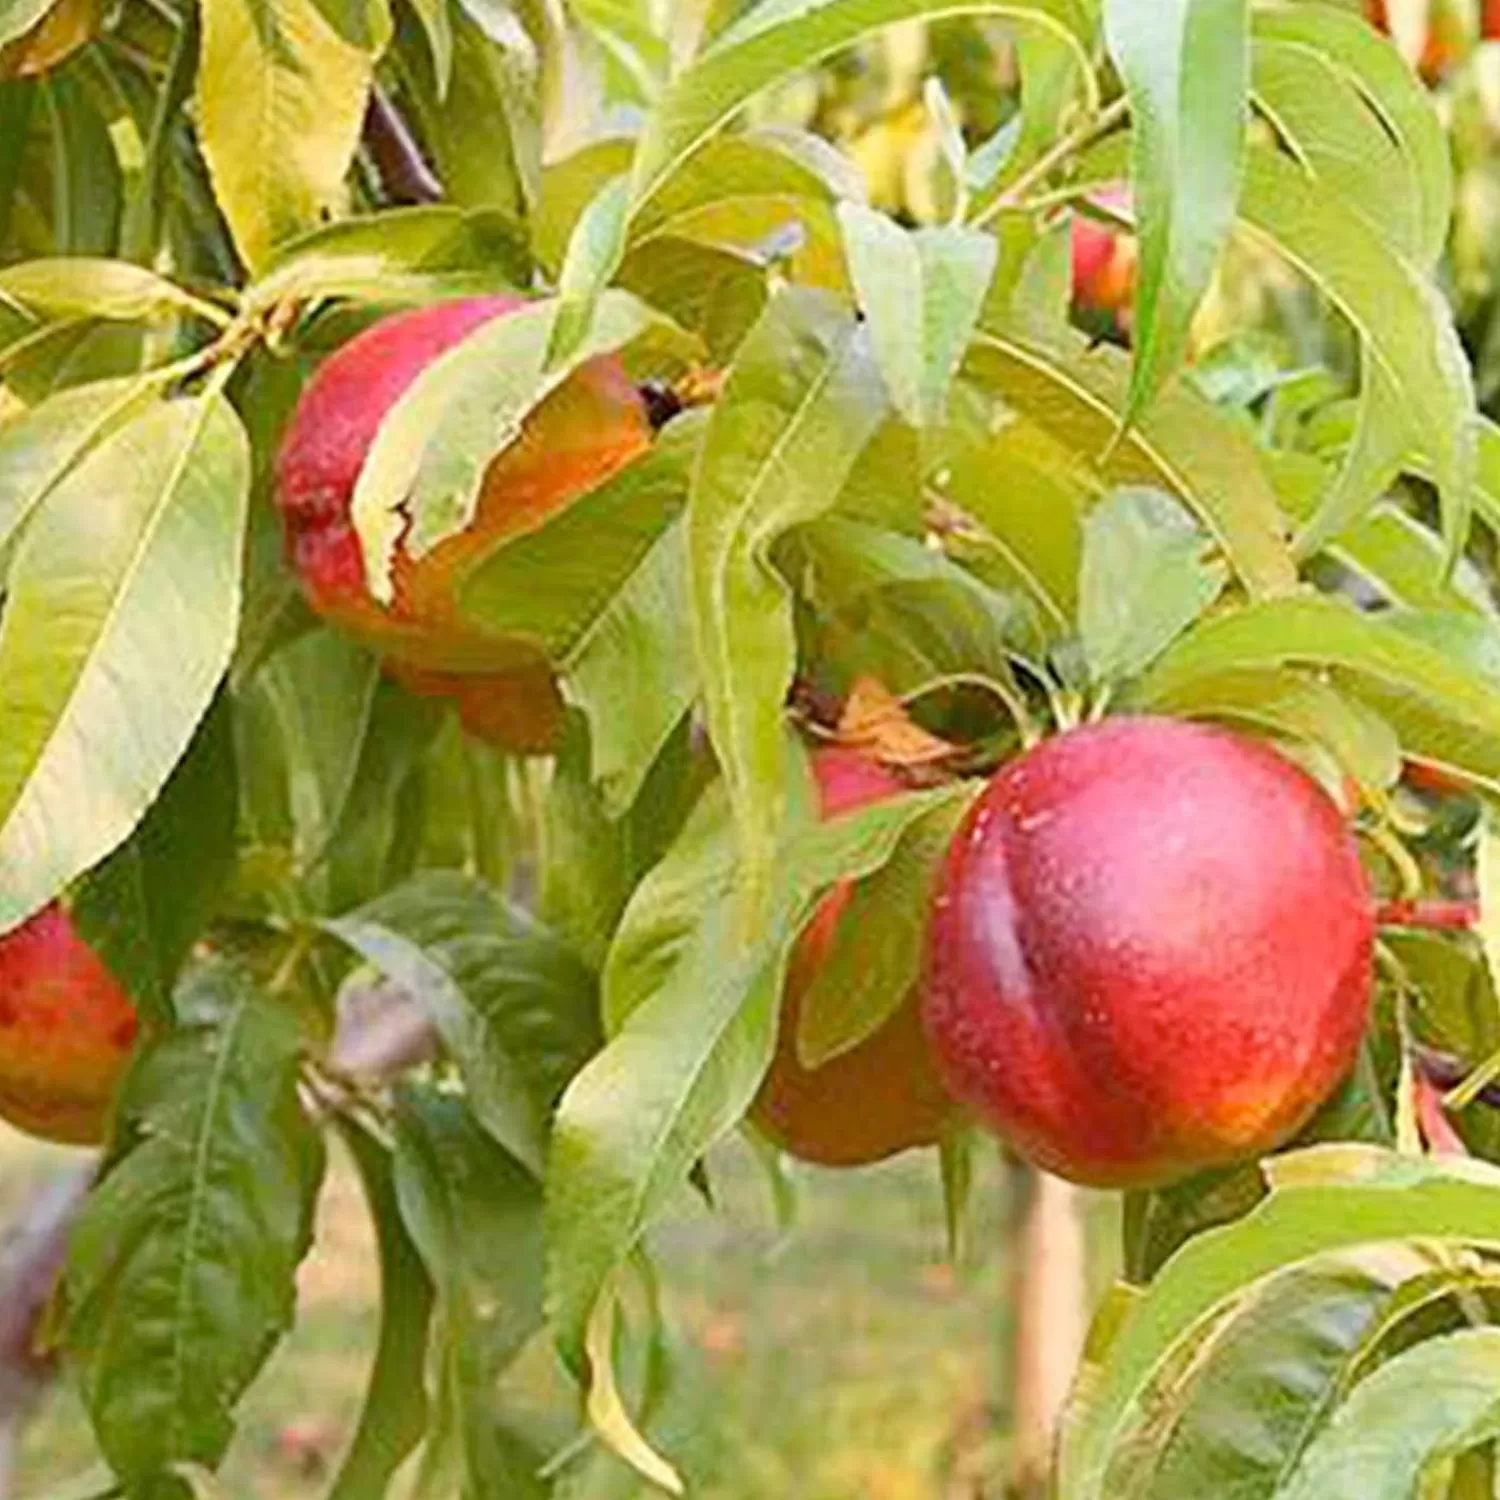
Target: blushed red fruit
point(586, 430)
point(1104, 259)
point(1444, 42)
point(882, 1096)
point(66, 1031)
point(1150, 952)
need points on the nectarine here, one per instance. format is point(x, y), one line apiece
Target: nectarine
point(581, 434)
point(66, 1031)
point(1104, 261)
point(882, 1095)
point(1150, 952)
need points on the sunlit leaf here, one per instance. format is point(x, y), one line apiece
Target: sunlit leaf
point(280, 99)
point(1185, 65)
point(803, 398)
point(124, 598)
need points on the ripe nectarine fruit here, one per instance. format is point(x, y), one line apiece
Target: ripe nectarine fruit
point(1104, 261)
point(580, 435)
point(882, 1095)
point(1150, 952)
point(66, 1031)
point(1441, 47)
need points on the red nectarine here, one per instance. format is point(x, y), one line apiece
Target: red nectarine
point(66, 1031)
point(581, 434)
point(881, 1096)
point(1104, 261)
point(1150, 952)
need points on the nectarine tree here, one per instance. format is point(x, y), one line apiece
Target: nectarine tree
point(360, 364)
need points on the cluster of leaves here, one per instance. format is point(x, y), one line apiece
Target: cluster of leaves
point(915, 469)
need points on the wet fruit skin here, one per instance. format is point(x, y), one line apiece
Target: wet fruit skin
point(1150, 952)
point(66, 1031)
point(882, 1096)
point(586, 430)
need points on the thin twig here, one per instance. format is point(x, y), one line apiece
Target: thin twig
point(1053, 157)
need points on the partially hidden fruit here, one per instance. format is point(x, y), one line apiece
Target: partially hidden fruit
point(1150, 952)
point(581, 434)
point(66, 1031)
point(69, 25)
point(881, 1096)
point(1104, 261)
point(1443, 43)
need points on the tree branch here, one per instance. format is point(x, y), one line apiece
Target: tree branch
point(403, 171)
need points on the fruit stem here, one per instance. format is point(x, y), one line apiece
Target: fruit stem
point(1434, 915)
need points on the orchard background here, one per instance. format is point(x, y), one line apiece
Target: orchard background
point(416, 711)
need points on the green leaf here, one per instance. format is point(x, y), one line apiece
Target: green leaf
point(396, 255)
point(878, 951)
point(1371, 465)
point(86, 186)
point(17, 17)
point(124, 598)
point(695, 1010)
point(43, 444)
point(394, 1414)
point(484, 131)
point(351, 742)
point(1411, 668)
point(1256, 1392)
point(1182, 444)
point(1394, 552)
point(181, 1271)
point(594, 252)
point(80, 287)
point(1144, 580)
point(910, 613)
point(421, 477)
point(1297, 706)
point(145, 907)
point(634, 675)
point(1403, 322)
point(611, 614)
point(1326, 1199)
point(1330, 127)
point(773, 40)
point(514, 1006)
point(739, 190)
point(475, 1216)
point(1381, 1444)
point(279, 103)
point(1185, 65)
point(569, 185)
point(1392, 90)
point(585, 553)
point(802, 400)
point(935, 277)
point(693, 876)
